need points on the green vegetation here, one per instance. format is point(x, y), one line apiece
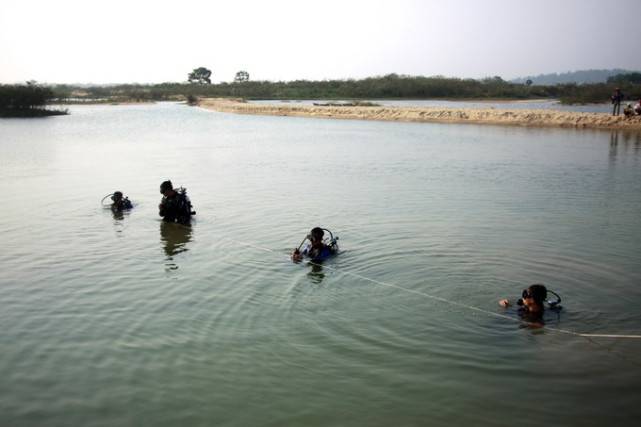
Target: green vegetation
point(634, 78)
point(241, 76)
point(392, 86)
point(192, 100)
point(578, 77)
point(26, 100)
point(601, 92)
point(200, 75)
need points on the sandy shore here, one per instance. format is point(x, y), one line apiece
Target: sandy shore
point(537, 118)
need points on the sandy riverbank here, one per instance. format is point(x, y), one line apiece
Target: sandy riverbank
point(537, 118)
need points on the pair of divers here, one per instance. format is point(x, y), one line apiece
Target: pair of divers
point(317, 247)
point(175, 205)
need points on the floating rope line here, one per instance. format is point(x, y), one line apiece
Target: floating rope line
point(441, 299)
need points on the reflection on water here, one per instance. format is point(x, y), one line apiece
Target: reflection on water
point(118, 218)
point(174, 238)
point(118, 215)
point(316, 273)
point(630, 141)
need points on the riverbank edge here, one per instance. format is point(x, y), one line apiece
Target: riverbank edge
point(26, 113)
point(528, 118)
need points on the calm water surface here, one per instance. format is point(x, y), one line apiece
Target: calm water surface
point(128, 321)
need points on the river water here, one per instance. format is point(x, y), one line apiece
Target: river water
point(111, 320)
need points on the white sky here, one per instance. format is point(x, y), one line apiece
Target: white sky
point(112, 41)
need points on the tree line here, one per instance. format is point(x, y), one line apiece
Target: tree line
point(392, 86)
point(28, 100)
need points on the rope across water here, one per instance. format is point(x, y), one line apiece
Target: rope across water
point(441, 299)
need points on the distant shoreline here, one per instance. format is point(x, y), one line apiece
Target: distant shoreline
point(529, 118)
point(17, 113)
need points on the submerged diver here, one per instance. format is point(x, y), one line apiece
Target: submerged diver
point(531, 304)
point(120, 203)
point(317, 249)
point(175, 206)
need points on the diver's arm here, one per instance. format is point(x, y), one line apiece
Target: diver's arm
point(505, 303)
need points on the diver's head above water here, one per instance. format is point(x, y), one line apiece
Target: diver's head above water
point(533, 298)
point(316, 236)
point(116, 196)
point(166, 188)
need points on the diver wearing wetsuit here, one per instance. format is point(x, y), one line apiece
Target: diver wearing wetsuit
point(531, 305)
point(316, 250)
point(175, 206)
point(120, 203)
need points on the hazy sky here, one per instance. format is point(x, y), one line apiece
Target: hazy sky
point(154, 41)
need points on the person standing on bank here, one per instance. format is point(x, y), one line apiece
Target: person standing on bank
point(175, 206)
point(616, 99)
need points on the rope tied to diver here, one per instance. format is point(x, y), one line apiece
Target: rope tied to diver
point(445, 300)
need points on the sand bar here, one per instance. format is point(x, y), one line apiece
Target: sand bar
point(535, 118)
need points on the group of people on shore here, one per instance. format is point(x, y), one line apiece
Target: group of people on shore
point(175, 207)
point(629, 110)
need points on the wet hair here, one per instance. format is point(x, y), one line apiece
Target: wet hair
point(116, 196)
point(538, 292)
point(165, 186)
point(317, 233)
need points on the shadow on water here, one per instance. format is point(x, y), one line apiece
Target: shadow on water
point(621, 142)
point(174, 238)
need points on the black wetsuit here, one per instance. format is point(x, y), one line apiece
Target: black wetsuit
point(121, 205)
point(176, 208)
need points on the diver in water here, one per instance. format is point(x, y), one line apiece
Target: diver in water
point(175, 206)
point(120, 203)
point(317, 249)
point(532, 303)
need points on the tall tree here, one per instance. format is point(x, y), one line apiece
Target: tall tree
point(200, 75)
point(241, 76)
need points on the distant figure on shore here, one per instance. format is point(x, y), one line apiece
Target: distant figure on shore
point(531, 303)
point(616, 99)
point(637, 108)
point(120, 203)
point(175, 206)
point(317, 249)
point(628, 111)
